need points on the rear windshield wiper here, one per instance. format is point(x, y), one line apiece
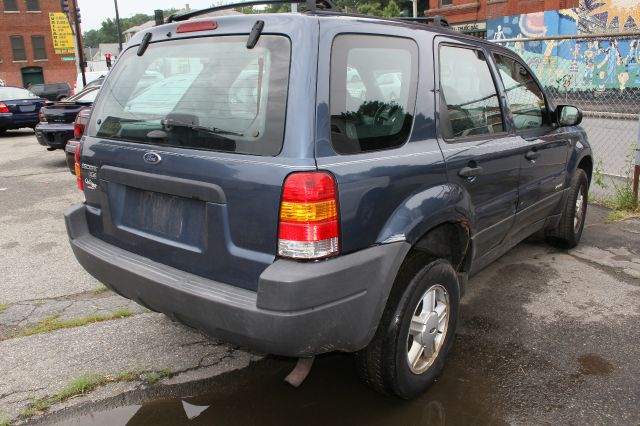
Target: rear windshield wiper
point(168, 124)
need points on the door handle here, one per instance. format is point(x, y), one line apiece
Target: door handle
point(532, 155)
point(469, 172)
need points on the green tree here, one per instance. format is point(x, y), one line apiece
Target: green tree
point(372, 9)
point(391, 10)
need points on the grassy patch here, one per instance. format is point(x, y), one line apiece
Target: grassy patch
point(616, 215)
point(3, 308)
point(85, 384)
point(155, 376)
point(5, 421)
point(52, 322)
point(80, 386)
point(99, 290)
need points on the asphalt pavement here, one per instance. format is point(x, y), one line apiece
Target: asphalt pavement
point(546, 336)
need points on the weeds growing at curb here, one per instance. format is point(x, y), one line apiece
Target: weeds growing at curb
point(621, 204)
point(5, 421)
point(99, 290)
point(3, 308)
point(85, 384)
point(52, 322)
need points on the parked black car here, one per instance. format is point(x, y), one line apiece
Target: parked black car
point(18, 108)
point(56, 125)
point(249, 193)
point(52, 91)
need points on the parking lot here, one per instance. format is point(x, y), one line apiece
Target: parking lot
point(546, 336)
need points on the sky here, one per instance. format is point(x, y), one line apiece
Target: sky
point(95, 11)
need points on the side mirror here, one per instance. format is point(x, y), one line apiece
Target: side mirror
point(567, 115)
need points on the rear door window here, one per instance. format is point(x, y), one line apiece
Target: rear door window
point(469, 104)
point(204, 93)
point(372, 92)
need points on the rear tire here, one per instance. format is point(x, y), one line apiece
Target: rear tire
point(415, 334)
point(569, 231)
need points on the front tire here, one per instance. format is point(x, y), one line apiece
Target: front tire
point(569, 231)
point(416, 331)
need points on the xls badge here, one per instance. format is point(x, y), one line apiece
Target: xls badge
point(151, 157)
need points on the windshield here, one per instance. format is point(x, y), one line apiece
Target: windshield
point(11, 93)
point(203, 93)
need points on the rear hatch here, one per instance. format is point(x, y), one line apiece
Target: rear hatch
point(183, 158)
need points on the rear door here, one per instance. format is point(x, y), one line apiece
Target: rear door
point(543, 163)
point(188, 171)
point(480, 153)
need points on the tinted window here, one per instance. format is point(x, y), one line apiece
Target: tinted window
point(373, 92)
point(10, 5)
point(17, 46)
point(469, 102)
point(526, 100)
point(39, 51)
point(207, 93)
point(33, 5)
point(11, 93)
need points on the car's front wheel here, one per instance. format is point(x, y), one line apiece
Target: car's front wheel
point(569, 230)
point(416, 331)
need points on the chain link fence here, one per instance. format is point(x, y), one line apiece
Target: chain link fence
point(601, 76)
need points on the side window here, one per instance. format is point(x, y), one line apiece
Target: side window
point(372, 92)
point(469, 103)
point(526, 99)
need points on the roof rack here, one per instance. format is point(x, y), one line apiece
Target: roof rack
point(312, 6)
point(439, 21)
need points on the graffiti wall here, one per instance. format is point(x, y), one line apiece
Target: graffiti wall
point(605, 63)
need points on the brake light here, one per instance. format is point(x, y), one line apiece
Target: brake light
point(4, 107)
point(309, 226)
point(192, 27)
point(77, 167)
point(41, 116)
point(78, 129)
point(75, 87)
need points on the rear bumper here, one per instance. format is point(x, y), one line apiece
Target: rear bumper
point(54, 135)
point(18, 121)
point(300, 309)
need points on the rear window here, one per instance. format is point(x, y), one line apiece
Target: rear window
point(11, 93)
point(373, 92)
point(203, 93)
point(87, 96)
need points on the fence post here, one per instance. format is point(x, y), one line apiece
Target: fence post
point(636, 169)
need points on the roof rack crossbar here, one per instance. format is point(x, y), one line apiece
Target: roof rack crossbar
point(439, 21)
point(312, 6)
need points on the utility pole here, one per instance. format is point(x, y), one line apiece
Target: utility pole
point(118, 27)
point(76, 22)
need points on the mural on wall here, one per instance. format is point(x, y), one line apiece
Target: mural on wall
point(604, 63)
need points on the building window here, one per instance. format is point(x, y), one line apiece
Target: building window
point(445, 3)
point(33, 5)
point(39, 51)
point(10, 5)
point(17, 46)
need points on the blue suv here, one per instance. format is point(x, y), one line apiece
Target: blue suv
point(314, 182)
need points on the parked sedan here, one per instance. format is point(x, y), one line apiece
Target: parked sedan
point(56, 125)
point(18, 108)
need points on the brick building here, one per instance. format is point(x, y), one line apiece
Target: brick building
point(27, 53)
point(471, 16)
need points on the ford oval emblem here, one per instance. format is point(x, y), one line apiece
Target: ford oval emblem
point(151, 158)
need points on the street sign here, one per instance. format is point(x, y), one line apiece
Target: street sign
point(62, 34)
point(68, 58)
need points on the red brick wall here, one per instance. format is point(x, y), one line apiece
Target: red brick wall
point(480, 10)
point(27, 24)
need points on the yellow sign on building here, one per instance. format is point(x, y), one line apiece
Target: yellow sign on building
point(62, 34)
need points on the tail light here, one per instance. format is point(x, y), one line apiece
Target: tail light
point(41, 116)
point(80, 123)
point(78, 129)
point(75, 87)
point(309, 227)
point(77, 167)
point(3, 107)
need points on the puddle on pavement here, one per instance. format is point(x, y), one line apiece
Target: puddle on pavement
point(331, 395)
